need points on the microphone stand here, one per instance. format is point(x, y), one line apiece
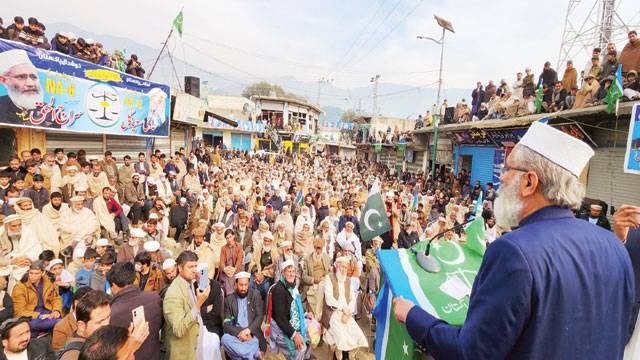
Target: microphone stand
point(426, 260)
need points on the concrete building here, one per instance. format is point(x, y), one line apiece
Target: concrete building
point(222, 113)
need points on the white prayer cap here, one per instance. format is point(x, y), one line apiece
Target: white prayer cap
point(102, 242)
point(80, 188)
point(390, 193)
point(11, 58)
point(205, 191)
point(267, 235)
point(168, 264)
point(219, 224)
point(79, 251)
point(286, 264)
point(153, 216)
point(171, 172)
point(77, 198)
point(343, 259)
point(72, 167)
point(92, 157)
point(349, 223)
point(137, 233)
point(151, 246)
point(53, 263)
point(151, 181)
point(262, 208)
point(558, 147)
point(242, 275)
point(23, 199)
point(11, 218)
point(595, 207)
point(183, 200)
point(377, 239)
point(134, 175)
point(286, 243)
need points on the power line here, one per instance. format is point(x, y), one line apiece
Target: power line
point(388, 33)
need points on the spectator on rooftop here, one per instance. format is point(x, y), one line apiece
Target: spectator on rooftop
point(118, 62)
point(595, 69)
point(134, 67)
point(483, 112)
point(517, 86)
point(587, 68)
point(477, 96)
point(61, 43)
point(102, 56)
point(81, 50)
point(3, 31)
point(549, 76)
point(13, 30)
point(571, 98)
point(558, 97)
point(610, 47)
point(528, 84)
point(489, 91)
point(602, 92)
point(632, 86)
point(588, 92)
point(503, 88)
point(570, 77)
point(630, 55)
point(609, 67)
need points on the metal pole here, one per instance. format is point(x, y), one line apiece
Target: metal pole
point(164, 46)
point(437, 117)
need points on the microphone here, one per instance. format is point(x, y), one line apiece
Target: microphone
point(428, 262)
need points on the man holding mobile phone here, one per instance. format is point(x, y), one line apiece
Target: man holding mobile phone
point(128, 297)
point(184, 330)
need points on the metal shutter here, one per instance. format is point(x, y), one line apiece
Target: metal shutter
point(126, 145)
point(92, 144)
point(481, 162)
point(178, 139)
point(162, 143)
point(416, 166)
point(606, 180)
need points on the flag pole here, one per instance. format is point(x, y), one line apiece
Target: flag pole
point(164, 46)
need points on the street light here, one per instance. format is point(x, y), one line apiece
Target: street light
point(445, 25)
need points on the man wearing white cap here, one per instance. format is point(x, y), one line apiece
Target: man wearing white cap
point(286, 321)
point(243, 314)
point(343, 333)
point(596, 217)
point(20, 78)
point(79, 224)
point(131, 248)
point(19, 246)
point(534, 280)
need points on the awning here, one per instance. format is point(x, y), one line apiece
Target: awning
point(209, 114)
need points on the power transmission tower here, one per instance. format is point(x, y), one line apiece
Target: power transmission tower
point(589, 24)
point(374, 80)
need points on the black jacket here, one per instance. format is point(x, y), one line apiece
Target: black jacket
point(38, 349)
point(254, 315)
point(407, 240)
point(281, 301)
point(213, 319)
point(178, 215)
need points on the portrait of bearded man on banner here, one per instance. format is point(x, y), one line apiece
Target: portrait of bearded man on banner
point(20, 77)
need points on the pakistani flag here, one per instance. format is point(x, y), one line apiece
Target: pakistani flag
point(444, 295)
point(374, 219)
point(177, 22)
point(615, 91)
point(538, 100)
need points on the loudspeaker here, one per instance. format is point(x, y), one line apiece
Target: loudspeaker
point(192, 86)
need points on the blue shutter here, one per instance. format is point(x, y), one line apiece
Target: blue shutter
point(482, 163)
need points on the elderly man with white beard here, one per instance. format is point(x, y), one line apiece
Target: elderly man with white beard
point(39, 225)
point(54, 210)
point(19, 246)
point(78, 227)
point(20, 78)
point(343, 332)
point(548, 287)
point(348, 242)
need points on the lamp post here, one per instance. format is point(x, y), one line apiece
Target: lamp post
point(445, 25)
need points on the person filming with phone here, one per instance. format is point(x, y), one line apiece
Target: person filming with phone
point(130, 305)
point(185, 333)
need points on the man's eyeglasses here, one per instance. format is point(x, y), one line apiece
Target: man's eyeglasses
point(514, 168)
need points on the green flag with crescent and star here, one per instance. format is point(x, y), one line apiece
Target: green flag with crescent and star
point(374, 221)
point(177, 22)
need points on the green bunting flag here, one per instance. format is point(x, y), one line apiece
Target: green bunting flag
point(615, 91)
point(538, 100)
point(374, 221)
point(177, 23)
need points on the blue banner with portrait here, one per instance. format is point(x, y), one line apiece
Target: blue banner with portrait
point(49, 90)
point(632, 155)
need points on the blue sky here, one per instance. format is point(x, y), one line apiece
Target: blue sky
point(345, 40)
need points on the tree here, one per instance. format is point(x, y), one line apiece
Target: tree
point(349, 115)
point(264, 88)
